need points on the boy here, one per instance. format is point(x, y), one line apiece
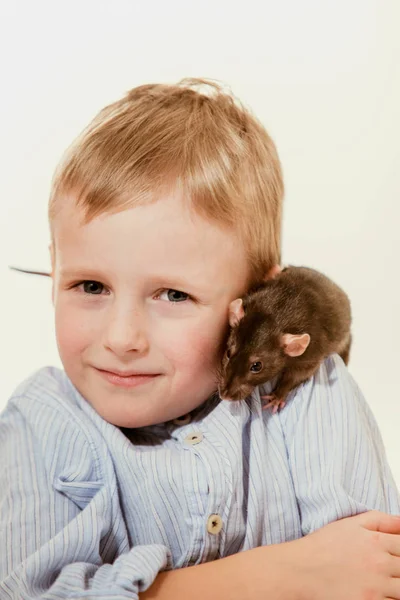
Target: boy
point(166, 209)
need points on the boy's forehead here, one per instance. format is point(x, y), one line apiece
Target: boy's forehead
point(159, 238)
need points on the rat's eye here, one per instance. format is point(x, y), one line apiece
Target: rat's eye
point(256, 367)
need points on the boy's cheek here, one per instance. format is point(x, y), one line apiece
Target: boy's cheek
point(185, 342)
point(197, 346)
point(72, 333)
point(68, 340)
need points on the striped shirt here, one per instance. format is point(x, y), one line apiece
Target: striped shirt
point(91, 510)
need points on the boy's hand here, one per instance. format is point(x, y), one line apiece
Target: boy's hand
point(356, 558)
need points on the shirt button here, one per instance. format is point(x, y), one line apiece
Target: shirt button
point(214, 524)
point(194, 438)
point(183, 420)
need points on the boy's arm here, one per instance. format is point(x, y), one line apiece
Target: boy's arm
point(335, 450)
point(61, 531)
point(61, 528)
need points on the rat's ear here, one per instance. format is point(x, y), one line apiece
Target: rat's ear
point(295, 345)
point(236, 312)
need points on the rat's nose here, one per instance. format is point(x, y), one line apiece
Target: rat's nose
point(238, 394)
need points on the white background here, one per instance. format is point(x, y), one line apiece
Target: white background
point(324, 77)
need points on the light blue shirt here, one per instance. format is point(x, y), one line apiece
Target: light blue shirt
point(86, 512)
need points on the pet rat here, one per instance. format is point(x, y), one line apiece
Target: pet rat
point(286, 326)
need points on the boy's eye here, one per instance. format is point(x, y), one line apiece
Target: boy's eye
point(90, 287)
point(94, 288)
point(175, 295)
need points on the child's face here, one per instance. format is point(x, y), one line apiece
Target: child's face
point(159, 280)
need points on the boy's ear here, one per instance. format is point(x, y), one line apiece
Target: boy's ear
point(51, 250)
point(273, 272)
point(295, 345)
point(52, 259)
point(236, 312)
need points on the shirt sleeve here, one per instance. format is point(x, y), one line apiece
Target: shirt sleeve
point(335, 450)
point(62, 533)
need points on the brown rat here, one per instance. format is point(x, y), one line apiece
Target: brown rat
point(286, 327)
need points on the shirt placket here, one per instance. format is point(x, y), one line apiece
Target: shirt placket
point(208, 476)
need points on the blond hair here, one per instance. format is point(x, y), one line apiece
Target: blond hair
point(204, 143)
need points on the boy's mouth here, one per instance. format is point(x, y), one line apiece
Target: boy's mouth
point(128, 379)
point(126, 373)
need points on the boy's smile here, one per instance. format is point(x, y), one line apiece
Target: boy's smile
point(144, 291)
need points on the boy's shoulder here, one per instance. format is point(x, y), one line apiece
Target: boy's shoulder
point(331, 396)
point(48, 391)
point(48, 377)
point(48, 384)
point(46, 415)
point(332, 373)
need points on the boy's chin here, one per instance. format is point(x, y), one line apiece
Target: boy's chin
point(140, 405)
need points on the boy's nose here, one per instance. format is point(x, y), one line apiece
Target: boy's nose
point(125, 333)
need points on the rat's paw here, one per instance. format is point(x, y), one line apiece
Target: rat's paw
point(277, 403)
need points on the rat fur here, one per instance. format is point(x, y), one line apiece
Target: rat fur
point(286, 327)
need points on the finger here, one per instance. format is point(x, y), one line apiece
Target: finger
point(375, 520)
point(392, 589)
point(392, 545)
point(394, 567)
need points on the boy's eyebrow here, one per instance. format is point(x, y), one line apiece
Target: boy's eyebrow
point(80, 272)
